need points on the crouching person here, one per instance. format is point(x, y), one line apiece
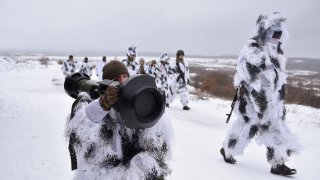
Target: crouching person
point(103, 148)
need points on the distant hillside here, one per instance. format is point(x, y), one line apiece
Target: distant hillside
point(294, 63)
point(305, 64)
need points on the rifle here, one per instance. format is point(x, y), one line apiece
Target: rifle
point(181, 74)
point(232, 105)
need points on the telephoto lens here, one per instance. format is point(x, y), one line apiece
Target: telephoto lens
point(141, 102)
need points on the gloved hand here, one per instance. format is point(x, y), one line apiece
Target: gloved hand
point(109, 98)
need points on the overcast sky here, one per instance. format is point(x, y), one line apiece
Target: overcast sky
point(200, 27)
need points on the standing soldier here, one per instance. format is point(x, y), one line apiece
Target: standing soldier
point(165, 69)
point(86, 67)
point(153, 70)
point(131, 64)
point(143, 68)
point(182, 79)
point(260, 80)
point(99, 67)
point(69, 66)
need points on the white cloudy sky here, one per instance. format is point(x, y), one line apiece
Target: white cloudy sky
point(200, 27)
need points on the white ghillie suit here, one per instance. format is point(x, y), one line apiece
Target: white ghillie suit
point(182, 79)
point(107, 150)
point(69, 67)
point(260, 78)
point(164, 70)
point(86, 68)
point(99, 67)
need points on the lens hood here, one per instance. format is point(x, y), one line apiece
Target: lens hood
point(140, 103)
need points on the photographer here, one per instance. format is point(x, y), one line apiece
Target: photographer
point(105, 148)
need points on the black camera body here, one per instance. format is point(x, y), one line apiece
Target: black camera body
point(140, 104)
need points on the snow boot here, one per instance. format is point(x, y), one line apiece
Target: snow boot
point(282, 170)
point(229, 160)
point(186, 108)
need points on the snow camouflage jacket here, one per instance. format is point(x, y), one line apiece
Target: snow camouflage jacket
point(260, 77)
point(182, 70)
point(153, 70)
point(132, 66)
point(69, 67)
point(86, 68)
point(107, 150)
point(164, 70)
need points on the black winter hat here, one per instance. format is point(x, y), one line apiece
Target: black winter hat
point(180, 52)
point(113, 69)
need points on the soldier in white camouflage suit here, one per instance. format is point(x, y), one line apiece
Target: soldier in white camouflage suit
point(260, 80)
point(182, 79)
point(153, 70)
point(131, 64)
point(101, 147)
point(99, 67)
point(69, 66)
point(86, 67)
point(164, 70)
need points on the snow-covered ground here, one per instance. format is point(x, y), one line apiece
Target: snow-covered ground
point(34, 106)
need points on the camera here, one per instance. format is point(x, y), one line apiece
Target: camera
point(140, 104)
